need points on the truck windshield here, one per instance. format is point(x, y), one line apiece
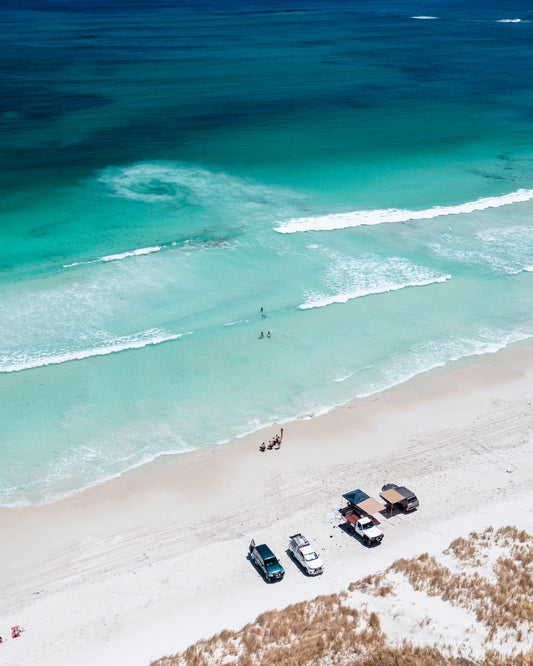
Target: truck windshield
point(270, 562)
point(309, 557)
point(367, 526)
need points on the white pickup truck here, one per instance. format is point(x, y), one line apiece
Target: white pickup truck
point(302, 551)
point(365, 528)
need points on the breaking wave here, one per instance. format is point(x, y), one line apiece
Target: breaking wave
point(505, 251)
point(26, 360)
point(349, 278)
point(397, 368)
point(390, 215)
point(117, 257)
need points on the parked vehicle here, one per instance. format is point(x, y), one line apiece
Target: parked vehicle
point(358, 516)
point(399, 496)
point(265, 560)
point(302, 551)
point(364, 527)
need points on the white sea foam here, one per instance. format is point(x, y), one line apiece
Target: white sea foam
point(180, 184)
point(509, 20)
point(424, 18)
point(148, 182)
point(348, 278)
point(24, 361)
point(117, 257)
point(503, 250)
point(399, 368)
point(390, 215)
point(80, 468)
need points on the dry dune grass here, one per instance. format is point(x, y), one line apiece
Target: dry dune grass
point(505, 604)
point(327, 631)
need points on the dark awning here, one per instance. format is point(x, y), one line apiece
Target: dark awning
point(355, 496)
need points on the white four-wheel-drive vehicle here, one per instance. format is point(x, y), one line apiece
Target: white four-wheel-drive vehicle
point(302, 551)
point(357, 516)
point(367, 530)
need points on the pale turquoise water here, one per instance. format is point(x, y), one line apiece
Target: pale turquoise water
point(166, 171)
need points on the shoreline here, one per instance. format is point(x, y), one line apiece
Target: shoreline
point(164, 545)
point(150, 467)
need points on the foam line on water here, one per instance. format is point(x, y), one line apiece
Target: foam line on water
point(502, 250)
point(424, 18)
point(392, 215)
point(16, 363)
point(117, 257)
point(347, 278)
point(436, 354)
point(322, 300)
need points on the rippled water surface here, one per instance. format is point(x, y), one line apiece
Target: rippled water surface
point(363, 172)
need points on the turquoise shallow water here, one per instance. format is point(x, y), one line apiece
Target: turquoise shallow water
point(364, 175)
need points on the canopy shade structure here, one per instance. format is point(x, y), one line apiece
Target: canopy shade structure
point(355, 496)
point(392, 496)
point(370, 506)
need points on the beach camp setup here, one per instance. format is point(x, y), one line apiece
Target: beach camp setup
point(399, 497)
point(360, 517)
point(362, 504)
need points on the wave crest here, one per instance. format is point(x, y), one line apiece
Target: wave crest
point(26, 361)
point(117, 257)
point(390, 215)
point(349, 278)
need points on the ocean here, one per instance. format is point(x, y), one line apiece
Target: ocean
point(362, 171)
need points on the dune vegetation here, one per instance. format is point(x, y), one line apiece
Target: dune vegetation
point(471, 605)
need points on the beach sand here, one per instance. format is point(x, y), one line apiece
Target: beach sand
point(148, 563)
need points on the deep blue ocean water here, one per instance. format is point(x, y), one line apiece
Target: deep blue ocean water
point(361, 170)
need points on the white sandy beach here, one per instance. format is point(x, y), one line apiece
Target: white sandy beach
point(145, 565)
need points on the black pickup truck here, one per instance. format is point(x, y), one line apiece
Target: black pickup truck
point(265, 560)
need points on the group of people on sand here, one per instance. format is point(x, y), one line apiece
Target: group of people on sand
point(274, 443)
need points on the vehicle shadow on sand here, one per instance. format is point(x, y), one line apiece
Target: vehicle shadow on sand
point(351, 533)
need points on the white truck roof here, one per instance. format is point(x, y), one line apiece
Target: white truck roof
point(306, 550)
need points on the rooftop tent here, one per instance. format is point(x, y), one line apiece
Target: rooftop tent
point(370, 506)
point(392, 496)
point(356, 496)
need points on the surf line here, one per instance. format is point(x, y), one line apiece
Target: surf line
point(126, 343)
point(389, 215)
point(141, 251)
